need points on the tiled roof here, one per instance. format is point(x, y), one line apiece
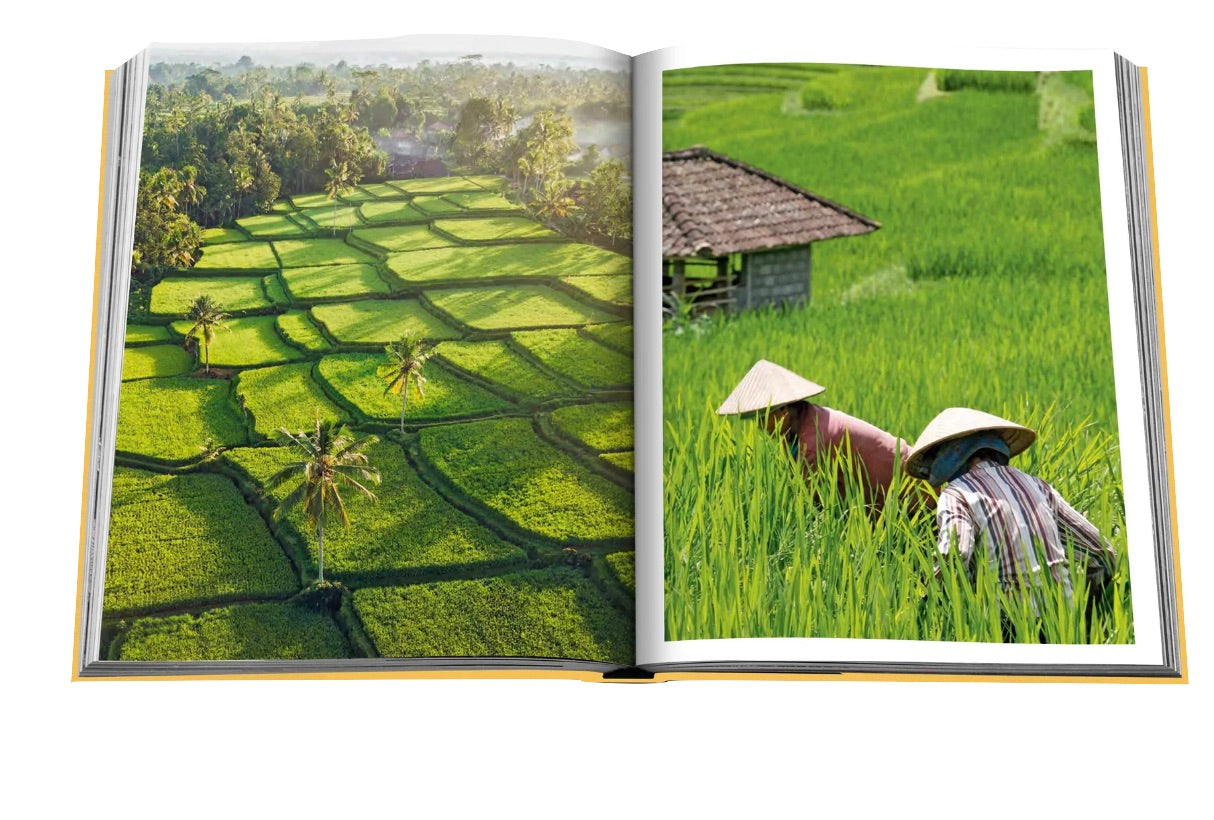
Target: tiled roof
point(713, 205)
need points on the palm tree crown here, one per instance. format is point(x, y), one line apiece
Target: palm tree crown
point(331, 459)
point(406, 358)
point(207, 318)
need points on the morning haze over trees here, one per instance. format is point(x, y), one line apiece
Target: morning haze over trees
point(225, 142)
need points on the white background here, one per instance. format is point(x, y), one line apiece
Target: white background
point(534, 748)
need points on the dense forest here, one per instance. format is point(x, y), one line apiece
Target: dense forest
point(223, 142)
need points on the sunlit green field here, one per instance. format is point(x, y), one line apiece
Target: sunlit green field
point(984, 288)
point(201, 568)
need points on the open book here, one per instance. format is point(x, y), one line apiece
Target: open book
point(505, 356)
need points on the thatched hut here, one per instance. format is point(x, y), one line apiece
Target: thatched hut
point(737, 237)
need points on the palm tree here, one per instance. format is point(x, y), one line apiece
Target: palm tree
point(406, 357)
point(207, 318)
point(337, 183)
point(332, 458)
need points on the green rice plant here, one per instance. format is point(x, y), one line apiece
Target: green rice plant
point(489, 182)
point(317, 201)
point(550, 613)
point(248, 342)
point(269, 631)
point(965, 176)
point(614, 289)
point(264, 226)
point(284, 396)
point(505, 465)
point(577, 358)
point(326, 218)
point(297, 329)
point(391, 211)
point(380, 321)
point(403, 238)
point(272, 285)
point(353, 375)
point(517, 306)
point(601, 426)
point(495, 228)
point(333, 281)
point(155, 360)
point(616, 336)
point(237, 256)
point(142, 334)
point(173, 297)
point(829, 92)
point(623, 566)
point(221, 236)
point(435, 185)
point(482, 201)
point(453, 264)
point(625, 461)
point(994, 229)
point(299, 253)
point(411, 530)
point(755, 548)
point(172, 418)
point(955, 79)
point(501, 364)
point(436, 206)
point(176, 540)
point(380, 190)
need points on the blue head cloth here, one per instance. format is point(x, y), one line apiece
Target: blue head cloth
point(952, 456)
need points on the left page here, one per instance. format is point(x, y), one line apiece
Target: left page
point(375, 399)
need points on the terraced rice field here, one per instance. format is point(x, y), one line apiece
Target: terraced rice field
point(333, 281)
point(495, 229)
point(379, 321)
point(524, 261)
point(237, 256)
point(201, 568)
point(235, 293)
point(516, 306)
point(576, 357)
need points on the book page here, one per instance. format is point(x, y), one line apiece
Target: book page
point(375, 399)
point(836, 249)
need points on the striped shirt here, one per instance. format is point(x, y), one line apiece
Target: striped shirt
point(1021, 520)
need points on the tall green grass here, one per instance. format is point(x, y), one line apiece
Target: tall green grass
point(984, 288)
point(752, 550)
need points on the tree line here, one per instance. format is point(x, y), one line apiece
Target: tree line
point(210, 158)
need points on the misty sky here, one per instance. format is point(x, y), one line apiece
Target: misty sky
point(399, 52)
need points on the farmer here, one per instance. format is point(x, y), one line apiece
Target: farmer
point(778, 399)
point(1015, 516)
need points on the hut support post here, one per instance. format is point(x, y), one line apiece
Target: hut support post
point(725, 283)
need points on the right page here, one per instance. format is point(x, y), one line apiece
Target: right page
point(898, 414)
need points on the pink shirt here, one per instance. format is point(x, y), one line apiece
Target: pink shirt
point(825, 430)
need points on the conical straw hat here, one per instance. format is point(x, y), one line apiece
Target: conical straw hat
point(767, 385)
point(956, 422)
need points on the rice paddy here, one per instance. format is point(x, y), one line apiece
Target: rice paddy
point(380, 321)
point(454, 264)
point(201, 567)
point(155, 360)
point(984, 288)
point(517, 306)
point(333, 281)
point(172, 297)
point(237, 256)
point(498, 228)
